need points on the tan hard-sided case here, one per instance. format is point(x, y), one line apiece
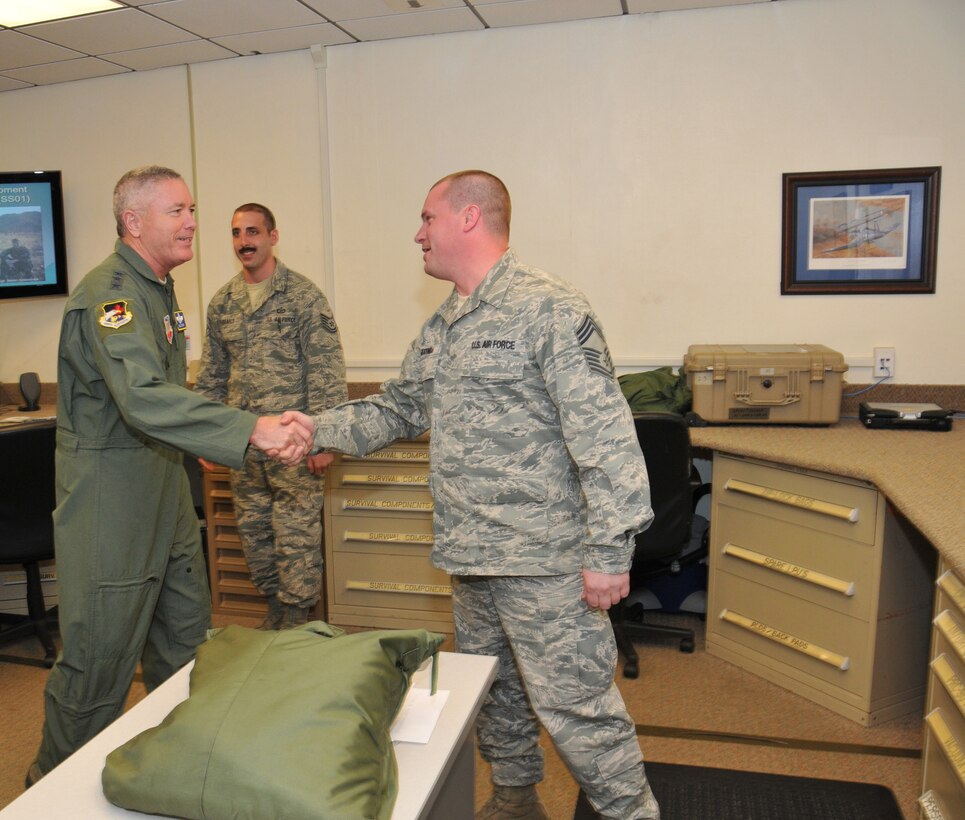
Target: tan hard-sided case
point(765, 384)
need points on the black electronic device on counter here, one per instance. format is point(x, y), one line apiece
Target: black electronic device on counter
point(905, 416)
point(30, 390)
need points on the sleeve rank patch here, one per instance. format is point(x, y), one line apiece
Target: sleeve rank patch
point(115, 315)
point(594, 348)
point(329, 324)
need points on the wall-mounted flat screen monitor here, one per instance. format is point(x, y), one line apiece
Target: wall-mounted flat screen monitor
point(33, 258)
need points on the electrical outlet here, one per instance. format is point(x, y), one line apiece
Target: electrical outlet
point(884, 363)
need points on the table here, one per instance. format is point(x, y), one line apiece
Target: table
point(436, 780)
point(12, 419)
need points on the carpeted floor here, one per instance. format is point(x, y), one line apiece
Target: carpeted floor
point(691, 709)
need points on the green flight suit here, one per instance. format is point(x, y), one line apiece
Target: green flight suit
point(130, 564)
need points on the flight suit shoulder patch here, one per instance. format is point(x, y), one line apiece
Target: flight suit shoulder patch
point(114, 315)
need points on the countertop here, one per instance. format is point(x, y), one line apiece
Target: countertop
point(920, 472)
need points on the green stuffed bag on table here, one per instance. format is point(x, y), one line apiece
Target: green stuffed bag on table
point(290, 724)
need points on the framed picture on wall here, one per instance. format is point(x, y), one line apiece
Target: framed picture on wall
point(870, 231)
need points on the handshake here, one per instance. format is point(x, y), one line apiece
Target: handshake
point(289, 437)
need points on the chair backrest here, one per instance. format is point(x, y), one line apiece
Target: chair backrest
point(665, 441)
point(27, 494)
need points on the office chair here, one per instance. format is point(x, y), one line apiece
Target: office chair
point(26, 528)
point(675, 489)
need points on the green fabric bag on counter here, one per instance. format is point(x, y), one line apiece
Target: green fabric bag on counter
point(658, 390)
point(290, 724)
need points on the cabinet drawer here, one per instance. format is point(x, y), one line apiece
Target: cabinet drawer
point(836, 506)
point(365, 475)
point(379, 501)
point(408, 452)
point(815, 566)
point(798, 635)
point(944, 759)
point(951, 595)
point(383, 536)
point(949, 635)
point(948, 692)
point(391, 582)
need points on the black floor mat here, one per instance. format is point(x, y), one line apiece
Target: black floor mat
point(700, 793)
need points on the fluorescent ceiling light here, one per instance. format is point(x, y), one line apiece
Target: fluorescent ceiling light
point(24, 12)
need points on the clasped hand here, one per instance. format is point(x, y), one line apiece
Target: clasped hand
point(288, 437)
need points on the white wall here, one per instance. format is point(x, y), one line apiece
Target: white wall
point(93, 131)
point(644, 154)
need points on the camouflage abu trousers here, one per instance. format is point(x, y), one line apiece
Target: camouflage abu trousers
point(279, 513)
point(557, 660)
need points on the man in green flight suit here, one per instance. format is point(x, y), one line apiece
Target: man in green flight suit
point(132, 580)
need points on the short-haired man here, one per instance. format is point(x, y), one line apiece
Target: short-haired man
point(539, 487)
point(271, 343)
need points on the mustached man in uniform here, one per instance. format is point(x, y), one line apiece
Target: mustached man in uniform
point(271, 344)
point(130, 566)
point(539, 487)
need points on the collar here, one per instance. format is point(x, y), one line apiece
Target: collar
point(136, 261)
point(492, 290)
point(279, 282)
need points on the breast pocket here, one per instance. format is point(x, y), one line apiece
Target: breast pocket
point(493, 391)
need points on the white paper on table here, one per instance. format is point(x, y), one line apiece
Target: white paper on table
point(418, 716)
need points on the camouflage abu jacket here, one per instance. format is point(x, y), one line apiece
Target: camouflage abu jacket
point(285, 355)
point(535, 464)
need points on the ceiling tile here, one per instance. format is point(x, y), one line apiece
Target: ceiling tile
point(444, 21)
point(144, 59)
point(97, 33)
point(646, 6)
point(149, 34)
point(218, 18)
point(338, 10)
point(65, 71)
point(286, 39)
point(499, 13)
point(18, 50)
point(7, 84)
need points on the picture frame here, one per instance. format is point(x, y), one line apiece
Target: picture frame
point(871, 231)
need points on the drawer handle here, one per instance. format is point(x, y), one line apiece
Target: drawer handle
point(799, 644)
point(949, 743)
point(932, 807)
point(415, 456)
point(953, 588)
point(403, 587)
point(386, 505)
point(794, 570)
point(388, 537)
point(793, 500)
point(953, 684)
point(950, 628)
point(386, 480)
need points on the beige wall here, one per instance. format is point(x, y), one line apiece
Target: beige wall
point(644, 154)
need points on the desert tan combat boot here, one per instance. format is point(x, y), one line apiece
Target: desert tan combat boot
point(513, 803)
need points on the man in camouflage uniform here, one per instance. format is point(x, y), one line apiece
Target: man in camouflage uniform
point(272, 343)
point(130, 565)
point(539, 487)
